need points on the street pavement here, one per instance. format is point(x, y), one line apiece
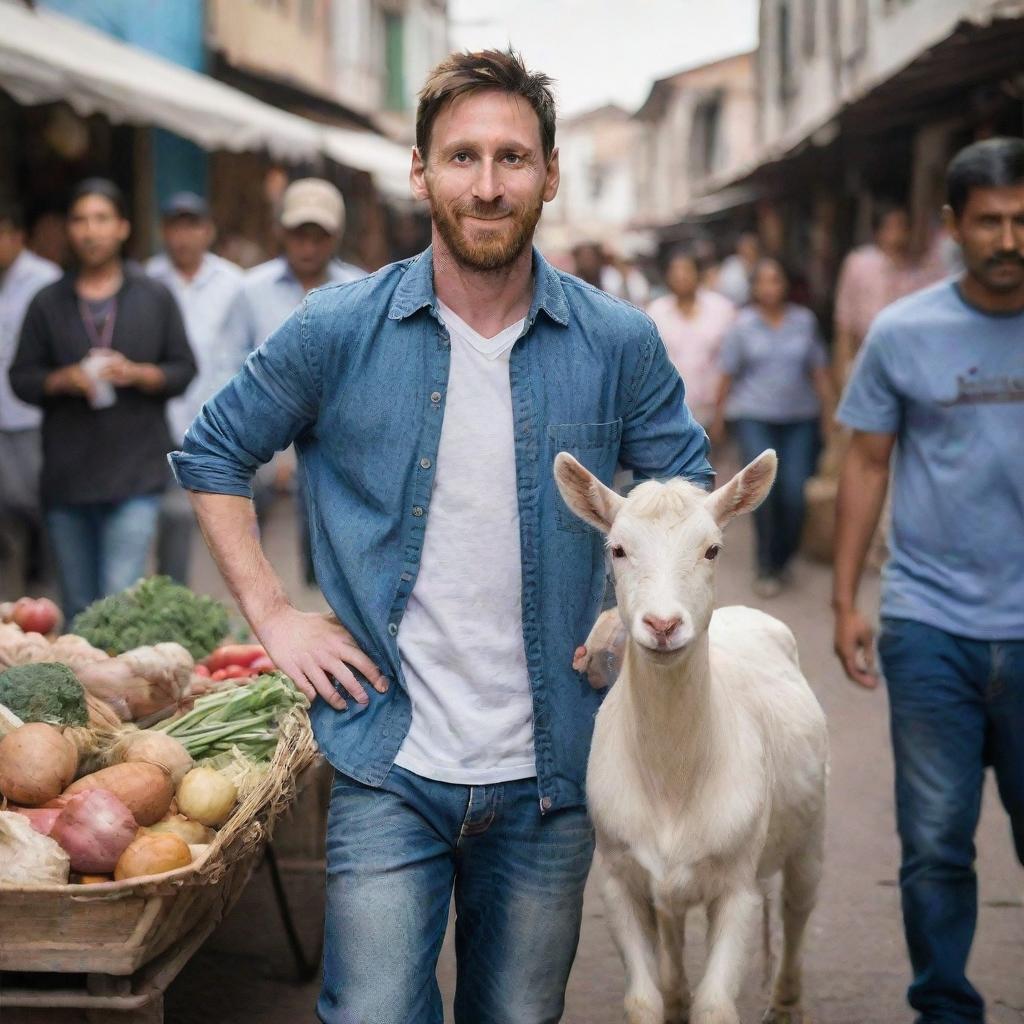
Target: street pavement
point(856, 966)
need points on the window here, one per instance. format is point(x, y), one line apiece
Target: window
point(787, 84)
point(706, 143)
point(394, 61)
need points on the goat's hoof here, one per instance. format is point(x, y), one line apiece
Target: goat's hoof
point(784, 1015)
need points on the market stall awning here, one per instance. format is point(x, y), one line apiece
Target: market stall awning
point(46, 57)
point(387, 161)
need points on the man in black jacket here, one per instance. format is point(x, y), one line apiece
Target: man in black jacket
point(102, 350)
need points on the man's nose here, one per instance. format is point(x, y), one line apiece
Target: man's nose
point(487, 185)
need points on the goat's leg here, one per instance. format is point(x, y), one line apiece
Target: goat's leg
point(731, 919)
point(675, 989)
point(800, 877)
point(633, 927)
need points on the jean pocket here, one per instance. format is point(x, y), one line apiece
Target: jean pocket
point(593, 445)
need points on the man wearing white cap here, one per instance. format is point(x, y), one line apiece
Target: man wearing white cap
point(312, 220)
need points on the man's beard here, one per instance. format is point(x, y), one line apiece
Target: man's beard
point(493, 253)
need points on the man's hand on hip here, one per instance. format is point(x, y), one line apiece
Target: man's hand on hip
point(314, 649)
point(855, 646)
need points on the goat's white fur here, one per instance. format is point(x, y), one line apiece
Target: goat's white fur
point(708, 767)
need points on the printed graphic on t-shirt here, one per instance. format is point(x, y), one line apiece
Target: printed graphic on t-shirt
point(974, 389)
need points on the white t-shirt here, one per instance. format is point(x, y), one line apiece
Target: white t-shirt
point(461, 638)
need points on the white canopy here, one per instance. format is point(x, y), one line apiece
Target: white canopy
point(46, 57)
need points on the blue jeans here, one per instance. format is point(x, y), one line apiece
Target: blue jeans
point(100, 548)
point(779, 520)
point(396, 854)
point(956, 706)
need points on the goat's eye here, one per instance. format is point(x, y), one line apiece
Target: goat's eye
point(618, 551)
point(712, 552)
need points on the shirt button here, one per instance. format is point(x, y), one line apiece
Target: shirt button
point(545, 803)
point(417, 510)
point(424, 463)
point(435, 397)
point(393, 628)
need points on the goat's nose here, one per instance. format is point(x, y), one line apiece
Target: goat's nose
point(662, 628)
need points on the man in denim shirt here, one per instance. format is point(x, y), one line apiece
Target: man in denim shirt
point(427, 403)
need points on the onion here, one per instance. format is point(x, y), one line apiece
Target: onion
point(206, 796)
point(191, 831)
point(41, 819)
point(95, 829)
point(36, 763)
point(156, 748)
point(152, 855)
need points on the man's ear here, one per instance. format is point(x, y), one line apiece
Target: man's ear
point(746, 490)
point(417, 175)
point(552, 177)
point(585, 494)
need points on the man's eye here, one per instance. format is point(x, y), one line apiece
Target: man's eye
point(712, 552)
point(513, 158)
point(618, 551)
point(461, 158)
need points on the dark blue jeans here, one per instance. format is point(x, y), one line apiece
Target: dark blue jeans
point(396, 855)
point(779, 520)
point(100, 548)
point(956, 706)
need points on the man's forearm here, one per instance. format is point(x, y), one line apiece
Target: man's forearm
point(862, 486)
point(229, 526)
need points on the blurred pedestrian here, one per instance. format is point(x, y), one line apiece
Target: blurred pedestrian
point(206, 288)
point(311, 223)
point(776, 392)
point(101, 350)
point(940, 381)
point(588, 264)
point(692, 322)
point(735, 275)
point(873, 276)
point(22, 274)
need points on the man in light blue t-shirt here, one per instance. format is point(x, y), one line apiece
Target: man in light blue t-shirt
point(940, 380)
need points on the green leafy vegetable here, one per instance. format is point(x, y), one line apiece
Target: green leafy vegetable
point(156, 610)
point(244, 717)
point(44, 692)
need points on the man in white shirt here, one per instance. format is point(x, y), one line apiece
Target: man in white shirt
point(22, 274)
point(206, 288)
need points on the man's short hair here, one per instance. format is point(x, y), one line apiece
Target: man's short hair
point(994, 163)
point(461, 74)
point(680, 252)
point(12, 214)
point(883, 210)
point(100, 187)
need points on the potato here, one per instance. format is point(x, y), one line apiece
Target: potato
point(145, 789)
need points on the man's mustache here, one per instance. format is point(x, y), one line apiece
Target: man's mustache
point(1016, 258)
point(484, 211)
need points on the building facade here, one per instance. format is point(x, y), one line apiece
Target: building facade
point(696, 127)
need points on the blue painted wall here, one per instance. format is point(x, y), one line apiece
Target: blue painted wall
point(174, 30)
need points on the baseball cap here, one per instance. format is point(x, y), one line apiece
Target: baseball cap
point(187, 203)
point(313, 201)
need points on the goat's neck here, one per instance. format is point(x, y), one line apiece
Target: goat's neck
point(673, 717)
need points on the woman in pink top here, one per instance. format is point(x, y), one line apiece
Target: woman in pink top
point(692, 322)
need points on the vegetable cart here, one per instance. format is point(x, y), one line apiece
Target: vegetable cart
point(131, 938)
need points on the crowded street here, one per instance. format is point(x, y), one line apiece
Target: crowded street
point(489, 541)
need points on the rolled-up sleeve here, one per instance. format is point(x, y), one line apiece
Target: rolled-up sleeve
point(260, 411)
point(660, 437)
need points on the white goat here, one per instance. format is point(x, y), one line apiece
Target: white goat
point(708, 767)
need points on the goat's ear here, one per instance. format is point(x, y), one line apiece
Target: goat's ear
point(746, 490)
point(585, 494)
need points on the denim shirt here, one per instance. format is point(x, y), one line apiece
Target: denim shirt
point(357, 379)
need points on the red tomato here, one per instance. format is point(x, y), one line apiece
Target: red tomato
point(263, 664)
point(236, 672)
point(34, 616)
point(220, 674)
point(202, 670)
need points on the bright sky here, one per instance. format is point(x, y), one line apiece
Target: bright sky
point(606, 50)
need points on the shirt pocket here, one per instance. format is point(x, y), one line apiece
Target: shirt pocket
point(594, 445)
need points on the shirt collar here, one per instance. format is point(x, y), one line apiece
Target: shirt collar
point(416, 290)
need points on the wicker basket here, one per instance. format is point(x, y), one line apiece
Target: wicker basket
point(116, 927)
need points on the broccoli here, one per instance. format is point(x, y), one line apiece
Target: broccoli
point(155, 610)
point(44, 692)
